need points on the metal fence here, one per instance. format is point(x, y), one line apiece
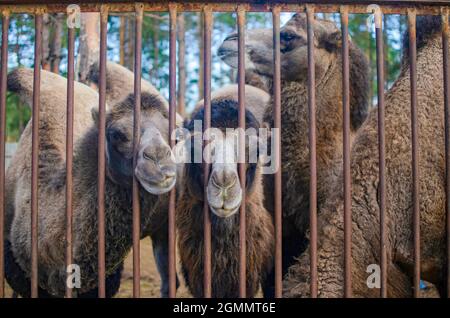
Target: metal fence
point(409, 7)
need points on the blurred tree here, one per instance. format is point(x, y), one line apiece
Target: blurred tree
point(89, 44)
point(181, 64)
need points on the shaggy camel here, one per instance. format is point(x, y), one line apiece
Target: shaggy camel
point(224, 195)
point(155, 170)
point(120, 83)
point(294, 113)
point(256, 100)
point(365, 188)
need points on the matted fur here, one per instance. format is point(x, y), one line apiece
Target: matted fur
point(365, 189)
point(51, 236)
point(225, 231)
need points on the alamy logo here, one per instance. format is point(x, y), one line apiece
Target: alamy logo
point(374, 279)
point(73, 16)
point(73, 276)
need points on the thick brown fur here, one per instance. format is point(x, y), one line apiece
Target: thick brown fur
point(120, 83)
point(295, 126)
point(256, 99)
point(365, 190)
point(225, 231)
point(51, 236)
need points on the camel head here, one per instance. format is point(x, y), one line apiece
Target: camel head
point(223, 190)
point(155, 167)
point(294, 51)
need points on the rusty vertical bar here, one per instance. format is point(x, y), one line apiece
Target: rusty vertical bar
point(277, 125)
point(101, 153)
point(346, 154)
point(3, 72)
point(312, 151)
point(69, 150)
point(136, 139)
point(207, 14)
point(446, 66)
point(242, 173)
point(381, 149)
point(35, 153)
point(172, 126)
point(415, 147)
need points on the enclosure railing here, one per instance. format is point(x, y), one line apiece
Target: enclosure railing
point(409, 7)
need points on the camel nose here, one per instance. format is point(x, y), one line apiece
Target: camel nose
point(162, 158)
point(157, 155)
point(224, 179)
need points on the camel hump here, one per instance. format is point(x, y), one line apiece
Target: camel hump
point(120, 84)
point(53, 86)
point(119, 81)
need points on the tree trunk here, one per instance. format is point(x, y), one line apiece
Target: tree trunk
point(181, 65)
point(200, 55)
point(89, 44)
point(20, 108)
point(55, 44)
point(129, 48)
point(46, 28)
point(122, 40)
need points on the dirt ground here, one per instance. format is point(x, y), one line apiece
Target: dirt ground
point(150, 282)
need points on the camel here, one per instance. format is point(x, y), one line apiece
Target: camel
point(224, 197)
point(365, 189)
point(295, 118)
point(155, 170)
point(256, 99)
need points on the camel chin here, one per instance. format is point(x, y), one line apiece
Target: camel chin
point(225, 213)
point(158, 188)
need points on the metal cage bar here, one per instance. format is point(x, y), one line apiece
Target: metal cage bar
point(346, 154)
point(208, 22)
point(136, 139)
point(389, 7)
point(415, 147)
point(3, 73)
point(101, 154)
point(172, 126)
point(242, 172)
point(278, 175)
point(69, 150)
point(312, 151)
point(35, 154)
point(381, 151)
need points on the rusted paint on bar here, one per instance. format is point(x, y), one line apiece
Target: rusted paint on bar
point(346, 153)
point(312, 151)
point(415, 147)
point(35, 154)
point(278, 179)
point(136, 140)
point(69, 150)
point(446, 66)
point(206, 125)
point(399, 7)
point(381, 151)
point(3, 72)
point(101, 153)
point(242, 172)
point(172, 126)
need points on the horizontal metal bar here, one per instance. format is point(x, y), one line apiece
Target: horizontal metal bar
point(323, 6)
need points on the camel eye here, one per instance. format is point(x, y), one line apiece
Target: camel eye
point(288, 36)
point(118, 136)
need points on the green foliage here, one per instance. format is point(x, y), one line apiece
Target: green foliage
point(155, 55)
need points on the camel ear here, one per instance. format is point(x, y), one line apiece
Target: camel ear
point(331, 41)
